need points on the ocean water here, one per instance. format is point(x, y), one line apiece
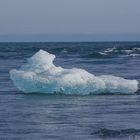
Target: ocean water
point(62, 117)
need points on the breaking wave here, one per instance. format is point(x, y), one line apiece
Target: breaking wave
point(128, 52)
point(114, 52)
point(40, 75)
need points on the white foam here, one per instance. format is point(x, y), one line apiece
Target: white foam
point(134, 54)
point(40, 75)
point(110, 50)
point(102, 53)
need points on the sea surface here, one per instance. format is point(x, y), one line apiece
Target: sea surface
point(60, 117)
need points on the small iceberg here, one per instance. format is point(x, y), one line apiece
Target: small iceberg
point(40, 75)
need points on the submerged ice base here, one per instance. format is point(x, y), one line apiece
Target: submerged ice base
point(40, 75)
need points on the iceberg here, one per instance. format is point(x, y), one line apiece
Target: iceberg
point(40, 75)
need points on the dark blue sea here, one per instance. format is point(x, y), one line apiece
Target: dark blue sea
point(64, 117)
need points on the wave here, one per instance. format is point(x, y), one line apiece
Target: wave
point(106, 133)
point(125, 51)
point(113, 52)
point(96, 55)
point(79, 50)
point(40, 75)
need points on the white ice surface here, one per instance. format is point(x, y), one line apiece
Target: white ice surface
point(40, 75)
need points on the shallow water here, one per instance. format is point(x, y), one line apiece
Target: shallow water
point(42, 117)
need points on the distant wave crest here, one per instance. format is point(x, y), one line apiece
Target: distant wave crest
point(115, 52)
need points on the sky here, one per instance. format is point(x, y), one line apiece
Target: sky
point(66, 20)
